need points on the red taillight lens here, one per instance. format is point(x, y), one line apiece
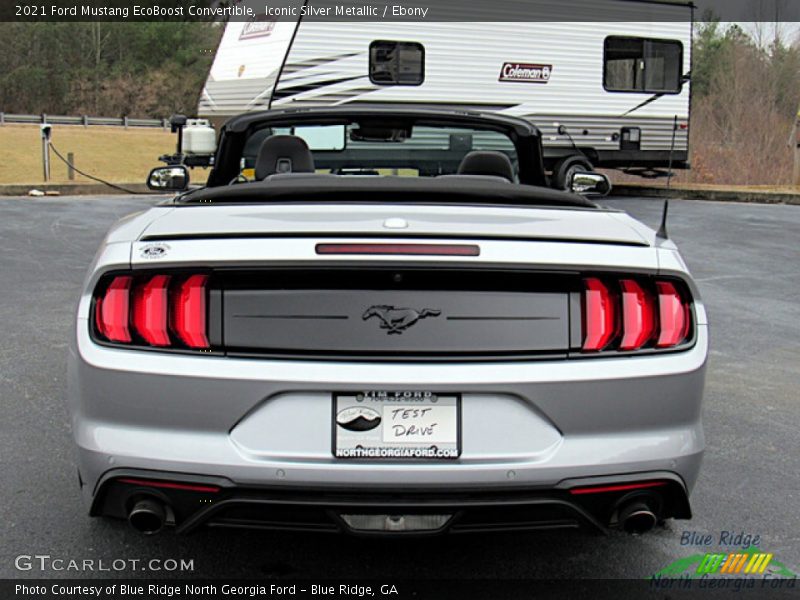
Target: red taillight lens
point(112, 310)
point(598, 316)
point(171, 485)
point(150, 310)
point(638, 322)
point(673, 316)
point(625, 487)
point(188, 316)
point(630, 314)
point(150, 302)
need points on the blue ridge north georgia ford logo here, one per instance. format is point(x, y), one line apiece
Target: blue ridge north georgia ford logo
point(358, 418)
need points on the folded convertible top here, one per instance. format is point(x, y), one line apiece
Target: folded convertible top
point(446, 190)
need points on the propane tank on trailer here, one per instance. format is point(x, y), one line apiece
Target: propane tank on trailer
point(199, 137)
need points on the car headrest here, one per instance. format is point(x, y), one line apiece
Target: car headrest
point(480, 162)
point(283, 154)
point(480, 178)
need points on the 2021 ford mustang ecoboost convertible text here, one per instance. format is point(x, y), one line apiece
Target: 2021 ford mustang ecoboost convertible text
point(382, 320)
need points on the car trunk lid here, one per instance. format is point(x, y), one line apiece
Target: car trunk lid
point(340, 220)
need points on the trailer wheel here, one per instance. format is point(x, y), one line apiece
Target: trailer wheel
point(567, 167)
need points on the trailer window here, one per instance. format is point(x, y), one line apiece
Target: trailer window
point(396, 63)
point(642, 65)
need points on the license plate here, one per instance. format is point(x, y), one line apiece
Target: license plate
point(396, 425)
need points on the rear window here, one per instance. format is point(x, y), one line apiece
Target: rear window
point(396, 63)
point(642, 65)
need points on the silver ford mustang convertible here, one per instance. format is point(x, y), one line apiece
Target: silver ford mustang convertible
point(381, 320)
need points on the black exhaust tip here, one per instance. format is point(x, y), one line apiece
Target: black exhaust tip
point(148, 516)
point(640, 522)
point(637, 518)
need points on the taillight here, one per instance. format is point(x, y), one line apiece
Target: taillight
point(638, 321)
point(188, 319)
point(633, 314)
point(150, 310)
point(598, 316)
point(112, 310)
point(157, 310)
point(673, 315)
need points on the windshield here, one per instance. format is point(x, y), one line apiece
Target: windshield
point(377, 149)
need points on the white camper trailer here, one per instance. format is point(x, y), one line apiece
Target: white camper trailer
point(605, 94)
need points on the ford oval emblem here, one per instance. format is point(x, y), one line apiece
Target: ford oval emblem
point(153, 251)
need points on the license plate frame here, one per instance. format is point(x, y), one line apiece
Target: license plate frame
point(436, 436)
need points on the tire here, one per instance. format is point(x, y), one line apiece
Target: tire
point(566, 167)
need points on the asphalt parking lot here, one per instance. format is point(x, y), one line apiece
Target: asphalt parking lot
point(746, 259)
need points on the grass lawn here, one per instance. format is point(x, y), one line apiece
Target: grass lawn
point(111, 153)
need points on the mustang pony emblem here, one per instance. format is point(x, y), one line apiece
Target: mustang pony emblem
point(397, 320)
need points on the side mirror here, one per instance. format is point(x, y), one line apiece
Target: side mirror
point(169, 179)
point(590, 184)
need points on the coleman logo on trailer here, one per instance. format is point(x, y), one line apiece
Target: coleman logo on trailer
point(525, 72)
point(261, 26)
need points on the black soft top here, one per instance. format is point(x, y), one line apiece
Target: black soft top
point(427, 190)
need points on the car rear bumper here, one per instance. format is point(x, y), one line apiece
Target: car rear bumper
point(262, 424)
point(195, 501)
